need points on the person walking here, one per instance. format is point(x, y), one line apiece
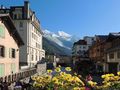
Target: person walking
point(88, 78)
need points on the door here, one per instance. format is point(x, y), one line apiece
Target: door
point(112, 67)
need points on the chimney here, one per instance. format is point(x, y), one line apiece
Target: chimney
point(27, 9)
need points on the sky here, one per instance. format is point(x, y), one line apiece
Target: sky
point(76, 17)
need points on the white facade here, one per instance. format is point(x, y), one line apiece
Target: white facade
point(78, 49)
point(89, 40)
point(113, 58)
point(29, 29)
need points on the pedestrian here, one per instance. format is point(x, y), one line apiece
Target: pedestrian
point(88, 78)
point(18, 85)
point(5, 85)
point(1, 85)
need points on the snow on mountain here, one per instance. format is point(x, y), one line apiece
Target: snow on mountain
point(61, 38)
point(64, 35)
point(46, 32)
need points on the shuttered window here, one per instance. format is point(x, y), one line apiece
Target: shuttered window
point(12, 53)
point(111, 56)
point(2, 51)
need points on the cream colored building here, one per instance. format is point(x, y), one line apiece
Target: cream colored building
point(10, 42)
point(29, 29)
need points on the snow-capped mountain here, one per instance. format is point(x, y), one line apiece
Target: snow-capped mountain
point(61, 38)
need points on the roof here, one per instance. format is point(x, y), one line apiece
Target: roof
point(113, 36)
point(80, 42)
point(11, 28)
point(102, 37)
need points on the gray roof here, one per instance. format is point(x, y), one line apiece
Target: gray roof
point(102, 37)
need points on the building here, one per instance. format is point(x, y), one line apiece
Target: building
point(65, 59)
point(79, 51)
point(29, 29)
point(80, 48)
point(113, 53)
point(89, 40)
point(10, 42)
point(97, 52)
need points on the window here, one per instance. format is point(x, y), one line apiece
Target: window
point(21, 24)
point(84, 47)
point(111, 55)
point(2, 51)
point(2, 31)
point(118, 54)
point(36, 57)
point(19, 16)
point(98, 50)
point(32, 57)
point(15, 16)
point(13, 53)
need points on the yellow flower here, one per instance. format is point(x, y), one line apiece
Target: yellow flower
point(48, 77)
point(108, 84)
point(75, 74)
point(82, 88)
point(118, 73)
point(103, 76)
point(92, 83)
point(54, 79)
point(49, 71)
point(76, 88)
point(62, 73)
point(68, 69)
point(57, 69)
point(59, 66)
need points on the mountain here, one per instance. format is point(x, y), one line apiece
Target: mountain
point(59, 43)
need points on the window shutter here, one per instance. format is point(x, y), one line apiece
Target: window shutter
point(5, 53)
point(10, 53)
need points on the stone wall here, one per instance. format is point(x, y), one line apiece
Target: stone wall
point(41, 68)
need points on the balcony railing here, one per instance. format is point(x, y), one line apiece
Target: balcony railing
point(21, 75)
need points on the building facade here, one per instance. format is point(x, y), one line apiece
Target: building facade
point(79, 51)
point(89, 40)
point(29, 29)
point(10, 41)
point(97, 52)
point(113, 53)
